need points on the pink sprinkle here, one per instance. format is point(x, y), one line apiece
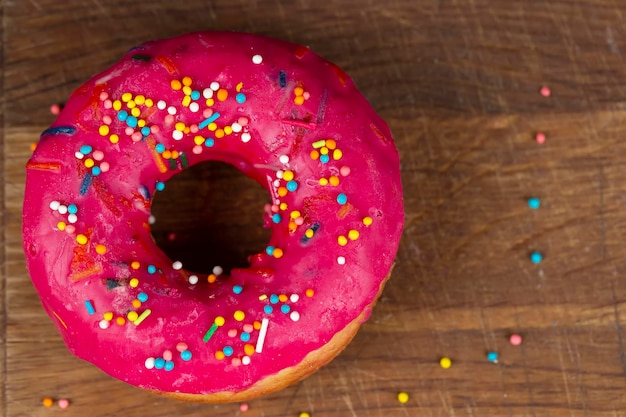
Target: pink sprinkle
point(306, 95)
point(344, 171)
point(243, 407)
point(181, 346)
point(236, 362)
point(107, 120)
point(63, 403)
point(69, 229)
point(193, 128)
point(207, 113)
point(197, 150)
point(104, 95)
point(98, 155)
point(275, 208)
point(545, 91)
point(299, 221)
point(169, 119)
point(104, 166)
point(137, 136)
point(154, 129)
point(243, 121)
point(232, 333)
point(248, 328)
point(515, 339)
point(108, 104)
point(540, 137)
point(167, 355)
point(129, 130)
point(55, 109)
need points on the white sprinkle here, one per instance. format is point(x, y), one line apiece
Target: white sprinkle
point(62, 209)
point(236, 127)
point(262, 333)
point(341, 260)
point(294, 298)
point(171, 110)
point(177, 265)
point(218, 270)
point(72, 218)
point(284, 159)
point(151, 219)
point(104, 324)
point(215, 86)
point(245, 137)
point(194, 107)
point(257, 59)
point(193, 279)
point(245, 360)
point(276, 183)
point(177, 135)
point(161, 105)
point(294, 316)
point(79, 155)
point(54, 205)
point(207, 93)
point(279, 173)
point(149, 363)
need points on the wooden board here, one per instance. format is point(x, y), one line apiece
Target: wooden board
point(459, 84)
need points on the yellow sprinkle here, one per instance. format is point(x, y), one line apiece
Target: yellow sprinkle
point(288, 175)
point(299, 100)
point(342, 240)
point(133, 282)
point(263, 297)
point(187, 81)
point(198, 140)
point(186, 101)
point(210, 102)
point(126, 97)
point(101, 249)
point(212, 126)
point(323, 181)
point(120, 320)
point(187, 90)
point(135, 111)
point(103, 130)
point(334, 181)
point(445, 362)
point(140, 99)
point(219, 133)
point(180, 126)
point(108, 316)
point(81, 239)
point(149, 102)
point(114, 138)
point(309, 293)
point(239, 315)
point(283, 206)
point(219, 355)
point(228, 130)
point(318, 144)
point(131, 104)
point(298, 91)
point(353, 234)
point(61, 226)
point(222, 94)
point(367, 220)
point(309, 233)
point(132, 315)
point(142, 317)
point(117, 105)
point(239, 87)
point(248, 349)
point(337, 154)
point(176, 85)
point(136, 304)
point(219, 320)
point(324, 150)
point(141, 123)
point(403, 397)
point(305, 414)
point(135, 264)
point(294, 214)
point(89, 162)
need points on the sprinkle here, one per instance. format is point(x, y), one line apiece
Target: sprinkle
point(262, 334)
point(536, 257)
point(132, 315)
point(285, 308)
point(47, 402)
point(169, 365)
point(84, 186)
point(134, 282)
point(243, 407)
point(282, 77)
point(209, 120)
point(159, 363)
point(104, 324)
point(445, 362)
point(318, 144)
point(240, 98)
point(534, 203)
point(304, 414)
point(61, 130)
point(292, 186)
point(245, 137)
point(181, 346)
point(239, 315)
point(341, 260)
point(143, 297)
point(185, 355)
point(309, 292)
point(55, 109)
point(210, 332)
point(324, 159)
point(142, 317)
point(367, 221)
point(342, 199)
point(108, 316)
point(353, 234)
point(193, 279)
point(81, 239)
point(54, 205)
point(101, 249)
point(342, 240)
point(237, 289)
point(540, 137)
point(545, 91)
point(492, 357)
point(120, 321)
point(294, 316)
point(90, 308)
point(515, 339)
point(149, 363)
point(167, 355)
point(218, 270)
point(257, 59)
point(63, 403)
point(403, 397)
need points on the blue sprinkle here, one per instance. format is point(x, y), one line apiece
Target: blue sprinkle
point(195, 95)
point(85, 149)
point(160, 148)
point(324, 159)
point(342, 199)
point(285, 308)
point(151, 269)
point(292, 186)
point(245, 337)
point(228, 350)
point(268, 309)
point(237, 289)
point(143, 190)
point(84, 186)
point(534, 203)
point(90, 308)
point(169, 365)
point(240, 98)
point(72, 209)
point(273, 299)
point(185, 355)
point(282, 76)
point(492, 357)
point(122, 115)
point(61, 130)
point(145, 131)
point(159, 363)
point(536, 257)
point(206, 122)
point(131, 121)
point(95, 171)
point(160, 186)
point(276, 217)
point(209, 142)
point(142, 296)
point(269, 250)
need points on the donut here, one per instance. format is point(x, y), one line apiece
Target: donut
point(281, 115)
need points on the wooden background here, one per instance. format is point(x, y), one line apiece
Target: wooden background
point(458, 81)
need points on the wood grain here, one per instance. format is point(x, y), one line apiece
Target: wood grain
point(458, 82)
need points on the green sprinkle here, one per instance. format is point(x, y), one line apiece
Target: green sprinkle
point(209, 333)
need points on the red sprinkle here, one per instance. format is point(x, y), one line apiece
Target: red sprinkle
point(540, 137)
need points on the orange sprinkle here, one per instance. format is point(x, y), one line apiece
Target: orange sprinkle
point(101, 249)
point(298, 91)
point(155, 155)
point(299, 100)
point(278, 253)
point(44, 166)
point(135, 264)
point(47, 402)
point(222, 94)
point(187, 81)
point(315, 155)
point(331, 144)
point(212, 278)
point(219, 133)
point(176, 85)
point(33, 146)
point(136, 304)
point(334, 181)
point(283, 298)
point(282, 191)
point(257, 325)
point(65, 325)
point(175, 154)
point(168, 64)
point(120, 320)
point(219, 355)
point(309, 292)
point(248, 349)
point(167, 154)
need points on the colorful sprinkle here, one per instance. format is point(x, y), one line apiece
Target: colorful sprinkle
point(257, 59)
point(536, 257)
point(403, 397)
point(89, 307)
point(262, 334)
point(515, 339)
point(492, 357)
point(445, 362)
point(540, 137)
point(534, 203)
point(342, 199)
point(63, 403)
point(545, 91)
point(47, 402)
point(142, 317)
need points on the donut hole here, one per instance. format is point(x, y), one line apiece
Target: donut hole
point(210, 215)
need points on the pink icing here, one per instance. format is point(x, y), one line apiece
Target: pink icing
point(268, 134)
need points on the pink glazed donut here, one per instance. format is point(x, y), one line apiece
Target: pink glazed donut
point(280, 114)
